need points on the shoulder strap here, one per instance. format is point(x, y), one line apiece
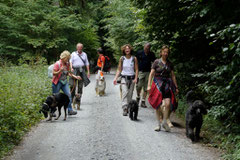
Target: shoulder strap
point(81, 59)
point(133, 59)
point(59, 64)
point(122, 59)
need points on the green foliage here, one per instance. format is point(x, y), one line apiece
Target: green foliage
point(123, 22)
point(22, 91)
point(204, 38)
point(43, 29)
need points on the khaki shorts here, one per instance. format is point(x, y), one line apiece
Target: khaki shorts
point(142, 81)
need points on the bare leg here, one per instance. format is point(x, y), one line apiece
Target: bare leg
point(166, 110)
point(159, 118)
point(168, 121)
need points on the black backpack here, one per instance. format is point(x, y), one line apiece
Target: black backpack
point(107, 64)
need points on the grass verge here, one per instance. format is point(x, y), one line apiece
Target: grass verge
point(22, 90)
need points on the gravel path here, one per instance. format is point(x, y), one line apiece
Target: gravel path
point(99, 131)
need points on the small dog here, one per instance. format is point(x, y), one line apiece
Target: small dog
point(100, 84)
point(77, 98)
point(51, 104)
point(133, 109)
point(194, 118)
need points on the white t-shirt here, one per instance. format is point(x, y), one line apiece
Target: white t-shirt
point(76, 60)
point(128, 66)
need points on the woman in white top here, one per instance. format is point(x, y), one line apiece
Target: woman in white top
point(128, 70)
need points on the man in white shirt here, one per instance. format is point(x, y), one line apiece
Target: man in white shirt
point(78, 63)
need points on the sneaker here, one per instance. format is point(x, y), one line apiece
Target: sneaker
point(170, 123)
point(158, 128)
point(125, 112)
point(166, 127)
point(72, 112)
point(143, 105)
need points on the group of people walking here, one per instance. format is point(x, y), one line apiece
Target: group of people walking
point(73, 65)
point(151, 75)
point(140, 70)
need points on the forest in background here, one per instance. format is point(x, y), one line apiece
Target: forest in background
point(204, 36)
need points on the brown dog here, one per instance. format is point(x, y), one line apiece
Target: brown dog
point(76, 98)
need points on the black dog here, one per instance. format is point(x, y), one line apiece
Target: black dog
point(194, 118)
point(133, 109)
point(51, 104)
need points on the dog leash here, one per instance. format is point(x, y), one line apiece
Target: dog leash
point(73, 86)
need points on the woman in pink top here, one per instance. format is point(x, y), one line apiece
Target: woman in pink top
point(60, 72)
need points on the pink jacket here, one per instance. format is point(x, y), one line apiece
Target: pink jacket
point(57, 68)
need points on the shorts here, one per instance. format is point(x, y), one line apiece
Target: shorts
point(142, 81)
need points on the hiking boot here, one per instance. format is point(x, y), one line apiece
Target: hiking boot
point(138, 99)
point(125, 112)
point(72, 112)
point(143, 105)
point(166, 127)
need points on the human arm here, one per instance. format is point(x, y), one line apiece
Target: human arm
point(174, 81)
point(87, 66)
point(56, 72)
point(151, 75)
point(136, 70)
point(71, 64)
point(88, 71)
point(102, 60)
point(57, 68)
point(74, 76)
point(119, 70)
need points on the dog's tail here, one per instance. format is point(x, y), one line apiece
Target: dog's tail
point(190, 97)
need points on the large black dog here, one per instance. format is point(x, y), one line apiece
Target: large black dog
point(194, 118)
point(133, 109)
point(51, 104)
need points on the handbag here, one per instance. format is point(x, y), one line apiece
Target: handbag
point(85, 79)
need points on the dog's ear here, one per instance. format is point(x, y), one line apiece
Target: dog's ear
point(193, 110)
point(203, 110)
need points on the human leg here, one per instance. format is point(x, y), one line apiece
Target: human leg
point(130, 92)
point(166, 110)
point(159, 118)
point(139, 85)
point(65, 88)
point(138, 89)
point(124, 90)
point(144, 86)
point(169, 121)
point(56, 87)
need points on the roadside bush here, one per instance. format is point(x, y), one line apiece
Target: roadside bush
point(22, 90)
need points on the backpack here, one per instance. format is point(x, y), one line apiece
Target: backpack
point(50, 69)
point(107, 64)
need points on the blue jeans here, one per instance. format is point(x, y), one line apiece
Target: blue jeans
point(65, 88)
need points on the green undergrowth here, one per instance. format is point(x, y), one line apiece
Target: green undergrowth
point(22, 90)
point(217, 134)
